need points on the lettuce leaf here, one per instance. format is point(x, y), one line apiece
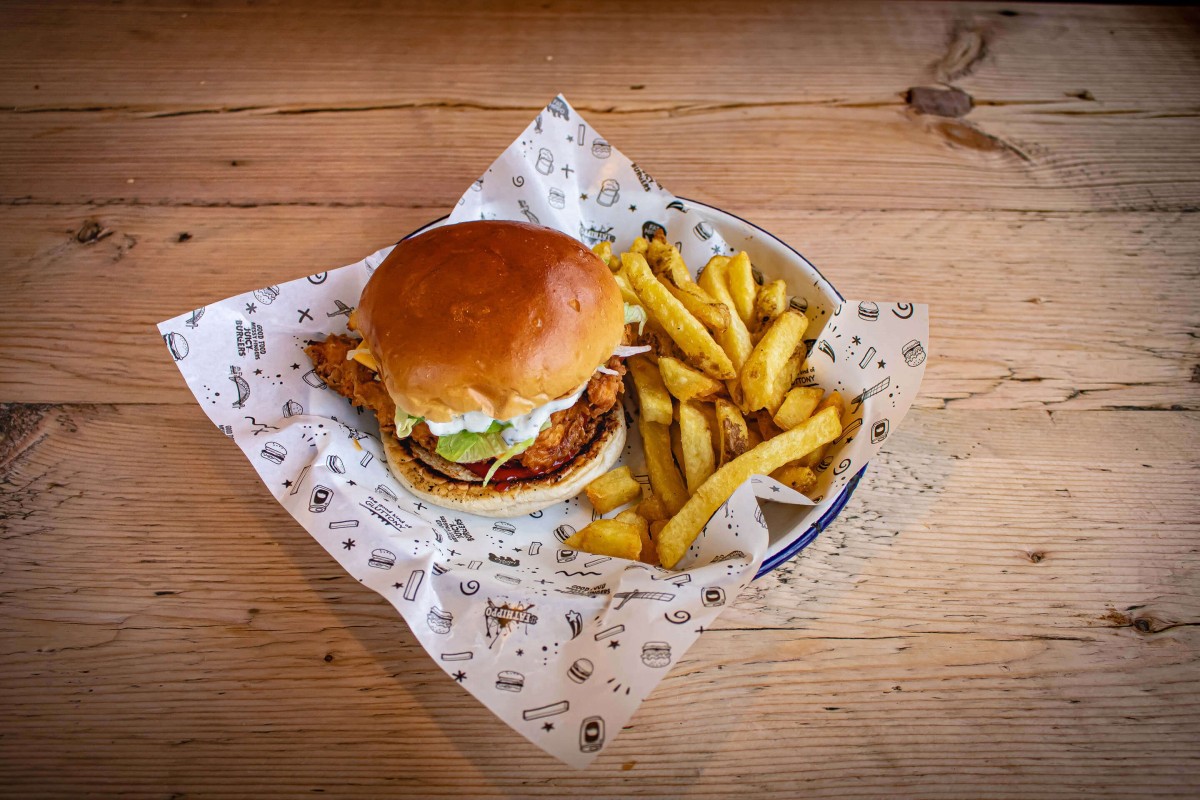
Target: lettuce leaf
point(405, 423)
point(465, 447)
point(519, 447)
point(636, 314)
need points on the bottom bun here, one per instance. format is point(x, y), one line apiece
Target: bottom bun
point(519, 497)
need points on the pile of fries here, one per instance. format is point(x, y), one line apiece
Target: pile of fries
point(717, 398)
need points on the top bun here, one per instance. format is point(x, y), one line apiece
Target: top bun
point(491, 316)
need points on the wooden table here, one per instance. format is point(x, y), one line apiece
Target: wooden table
point(1007, 608)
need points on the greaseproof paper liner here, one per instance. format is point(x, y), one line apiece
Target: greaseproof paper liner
point(561, 645)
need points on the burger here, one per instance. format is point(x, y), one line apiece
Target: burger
point(491, 353)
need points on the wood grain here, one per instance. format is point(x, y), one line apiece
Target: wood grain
point(134, 651)
point(1008, 607)
point(874, 156)
point(153, 57)
point(1004, 336)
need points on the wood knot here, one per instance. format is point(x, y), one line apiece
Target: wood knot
point(183, 237)
point(1036, 557)
point(1143, 625)
point(328, 657)
point(939, 102)
point(91, 232)
point(966, 48)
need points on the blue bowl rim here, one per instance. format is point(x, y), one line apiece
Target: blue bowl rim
point(805, 539)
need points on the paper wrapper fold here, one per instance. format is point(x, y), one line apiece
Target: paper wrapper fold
point(559, 644)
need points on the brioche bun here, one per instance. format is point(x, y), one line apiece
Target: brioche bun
point(492, 316)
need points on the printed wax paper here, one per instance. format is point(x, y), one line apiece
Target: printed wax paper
point(561, 645)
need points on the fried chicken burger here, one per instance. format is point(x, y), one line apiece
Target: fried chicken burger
point(491, 354)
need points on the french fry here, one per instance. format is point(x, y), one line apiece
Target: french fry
point(678, 534)
point(798, 405)
point(835, 401)
point(604, 251)
point(659, 252)
point(772, 301)
point(680, 325)
point(802, 479)
point(665, 479)
point(652, 508)
point(753, 437)
point(735, 438)
point(640, 245)
point(699, 460)
point(666, 262)
point(608, 537)
point(676, 445)
point(655, 529)
point(775, 363)
point(717, 264)
point(627, 293)
point(742, 287)
point(713, 316)
point(735, 339)
point(653, 398)
point(648, 554)
point(613, 489)
point(686, 383)
point(660, 343)
point(709, 410)
point(766, 426)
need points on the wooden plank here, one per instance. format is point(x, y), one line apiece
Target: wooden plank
point(1005, 334)
point(173, 56)
point(1020, 156)
point(205, 645)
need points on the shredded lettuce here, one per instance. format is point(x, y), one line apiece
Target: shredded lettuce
point(465, 447)
point(405, 423)
point(519, 447)
point(636, 314)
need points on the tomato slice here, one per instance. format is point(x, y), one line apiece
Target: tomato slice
point(507, 474)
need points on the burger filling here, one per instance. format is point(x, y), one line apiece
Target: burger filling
point(524, 447)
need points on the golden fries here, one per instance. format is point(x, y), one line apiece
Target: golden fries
point(652, 508)
point(735, 339)
point(686, 383)
point(648, 554)
point(713, 316)
point(802, 479)
point(772, 301)
point(683, 528)
point(735, 438)
point(835, 401)
point(675, 319)
point(613, 489)
point(604, 251)
point(725, 351)
point(627, 293)
point(798, 405)
point(698, 460)
point(742, 287)
point(665, 479)
point(775, 363)
point(653, 398)
point(766, 426)
point(608, 537)
point(667, 264)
